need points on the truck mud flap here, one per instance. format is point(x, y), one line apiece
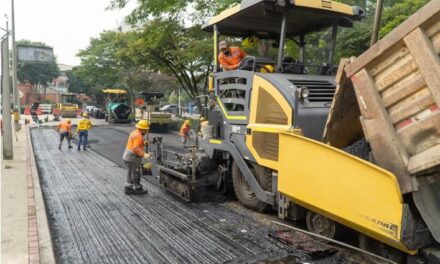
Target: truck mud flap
point(427, 200)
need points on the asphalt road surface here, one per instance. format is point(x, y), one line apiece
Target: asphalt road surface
point(110, 141)
point(93, 221)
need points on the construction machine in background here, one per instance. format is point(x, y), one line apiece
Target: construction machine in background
point(371, 165)
point(117, 109)
point(148, 108)
point(68, 106)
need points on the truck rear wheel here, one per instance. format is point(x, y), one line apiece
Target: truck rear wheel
point(243, 191)
point(320, 225)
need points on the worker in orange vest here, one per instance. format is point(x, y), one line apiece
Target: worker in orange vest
point(230, 57)
point(64, 129)
point(184, 131)
point(133, 154)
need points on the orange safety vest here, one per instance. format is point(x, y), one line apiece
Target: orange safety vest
point(231, 61)
point(64, 127)
point(136, 143)
point(184, 129)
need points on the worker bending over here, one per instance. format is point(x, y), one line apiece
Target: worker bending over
point(184, 131)
point(83, 130)
point(230, 57)
point(133, 154)
point(64, 129)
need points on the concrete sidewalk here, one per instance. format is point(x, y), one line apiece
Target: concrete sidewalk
point(25, 236)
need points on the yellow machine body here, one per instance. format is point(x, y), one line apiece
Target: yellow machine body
point(68, 110)
point(67, 106)
point(269, 115)
point(342, 187)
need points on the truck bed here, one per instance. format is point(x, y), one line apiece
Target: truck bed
point(396, 85)
point(390, 95)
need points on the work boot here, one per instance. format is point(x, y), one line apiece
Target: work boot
point(84, 148)
point(79, 149)
point(59, 147)
point(140, 190)
point(70, 146)
point(128, 190)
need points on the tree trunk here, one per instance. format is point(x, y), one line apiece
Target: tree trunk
point(263, 47)
point(44, 93)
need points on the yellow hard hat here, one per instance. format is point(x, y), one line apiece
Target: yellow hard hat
point(68, 120)
point(187, 122)
point(85, 114)
point(202, 119)
point(143, 124)
point(267, 69)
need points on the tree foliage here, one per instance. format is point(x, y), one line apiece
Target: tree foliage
point(110, 62)
point(195, 10)
point(100, 67)
point(399, 12)
point(165, 46)
point(75, 83)
point(163, 53)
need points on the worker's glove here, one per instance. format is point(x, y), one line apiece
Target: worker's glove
point(146, 143)
point(146, 156)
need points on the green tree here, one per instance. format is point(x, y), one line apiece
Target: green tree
point(354, 41)
point(399, 12)
point(165, 46)
point(75, 82)
point(107, 63)
point(100, 66)
point(196, 10)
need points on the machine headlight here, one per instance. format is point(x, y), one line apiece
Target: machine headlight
point(305, 93)
point(302, 93)
point(281, 3)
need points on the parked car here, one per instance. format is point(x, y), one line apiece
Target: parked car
point(171, 108)
point(90, 108)
point(97, 113)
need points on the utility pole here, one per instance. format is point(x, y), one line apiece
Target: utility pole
point(6, 99)
point(376, 26)
point(15, 91)
point(14, 61)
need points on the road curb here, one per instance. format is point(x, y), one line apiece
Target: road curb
point(39, 237)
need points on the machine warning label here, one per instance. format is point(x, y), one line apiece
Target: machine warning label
point(387, 227)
